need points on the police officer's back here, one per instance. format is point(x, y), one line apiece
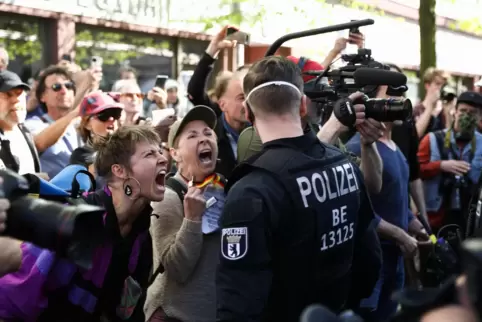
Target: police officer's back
point(294, 215)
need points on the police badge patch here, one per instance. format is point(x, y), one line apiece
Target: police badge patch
point(234, 243)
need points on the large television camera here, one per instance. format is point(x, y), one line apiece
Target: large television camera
point(331, 88)
point(69, 227)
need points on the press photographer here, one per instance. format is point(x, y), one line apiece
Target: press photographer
point(450, 164)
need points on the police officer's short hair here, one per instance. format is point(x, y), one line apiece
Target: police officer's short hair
point(274, 99)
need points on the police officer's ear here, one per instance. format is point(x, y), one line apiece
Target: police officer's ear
point(303, 106)
point(175, 155)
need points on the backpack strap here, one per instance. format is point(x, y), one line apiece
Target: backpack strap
point(178, 187)
point(181, 190)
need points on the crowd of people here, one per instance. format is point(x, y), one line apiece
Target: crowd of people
point(240, 205)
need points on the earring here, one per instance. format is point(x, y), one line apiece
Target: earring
point(129, 189)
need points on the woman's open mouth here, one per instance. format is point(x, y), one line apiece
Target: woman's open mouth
point(110, 127)
point(161, 177)
point(206, 156)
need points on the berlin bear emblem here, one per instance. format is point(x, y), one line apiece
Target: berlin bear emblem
point(234, 243)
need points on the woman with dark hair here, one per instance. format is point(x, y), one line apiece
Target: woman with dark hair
point(49, 288)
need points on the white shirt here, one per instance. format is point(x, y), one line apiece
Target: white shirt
point(20, 149)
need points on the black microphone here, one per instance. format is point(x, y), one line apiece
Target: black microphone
point(318, 313)
point(375, 76)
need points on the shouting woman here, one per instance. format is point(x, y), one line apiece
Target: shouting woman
point(49, 288)
point(184, 229)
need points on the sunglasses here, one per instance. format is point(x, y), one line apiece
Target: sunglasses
point(105, 115)
point(58, 86)
point(132, 95)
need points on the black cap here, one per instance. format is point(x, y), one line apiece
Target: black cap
point(471, 98)
point(9, 80)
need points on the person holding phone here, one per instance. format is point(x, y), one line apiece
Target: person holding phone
point(229, 106)
point(355, 37)
point(167, 93)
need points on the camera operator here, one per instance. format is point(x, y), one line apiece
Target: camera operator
point(451, 163)
point(370, 162)
point(330, 132)
point(280, 251)
point(391, 204)
point(51, 288)
point(428, 116)
point(370, 130)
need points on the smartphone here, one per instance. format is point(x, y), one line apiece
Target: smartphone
point(235, 34)
point(96, 61)
point(161, 81)
point(159, 115)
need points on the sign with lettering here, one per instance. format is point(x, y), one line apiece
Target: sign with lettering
point(141, 12)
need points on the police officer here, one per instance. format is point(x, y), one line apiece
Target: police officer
point(296, 222)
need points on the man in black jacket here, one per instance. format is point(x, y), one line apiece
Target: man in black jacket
point(229, 108)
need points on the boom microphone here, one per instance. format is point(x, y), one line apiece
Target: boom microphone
point(374, 76)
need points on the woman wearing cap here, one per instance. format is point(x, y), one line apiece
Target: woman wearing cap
point(184, 229)
point(50, 288)
point(100, 116)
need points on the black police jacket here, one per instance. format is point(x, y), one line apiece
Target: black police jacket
point(295, 215)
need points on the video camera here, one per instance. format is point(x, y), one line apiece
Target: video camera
point(415, 303)
point(70, 228)
point(331, 88)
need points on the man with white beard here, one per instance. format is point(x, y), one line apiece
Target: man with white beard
point(17, 150)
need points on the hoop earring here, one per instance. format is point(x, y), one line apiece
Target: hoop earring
point(129, 189)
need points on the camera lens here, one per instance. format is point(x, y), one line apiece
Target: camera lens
point(388, 110)
point(71, 231)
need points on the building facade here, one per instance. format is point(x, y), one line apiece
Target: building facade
point(137, 33)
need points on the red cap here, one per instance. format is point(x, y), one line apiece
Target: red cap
point(308, 65)
point(97, 102)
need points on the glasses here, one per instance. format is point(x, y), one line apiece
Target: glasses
point(132, 95)
point(105, 115)
point(58, 86)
